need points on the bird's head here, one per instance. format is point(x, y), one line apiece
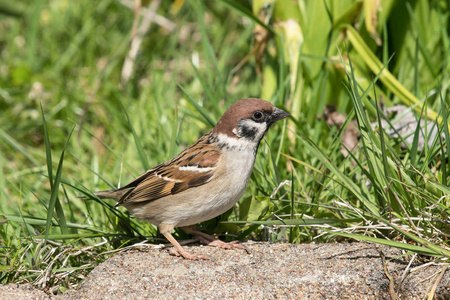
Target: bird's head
point(249, 119)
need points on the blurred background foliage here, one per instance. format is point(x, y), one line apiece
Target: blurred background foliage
point(139, 81)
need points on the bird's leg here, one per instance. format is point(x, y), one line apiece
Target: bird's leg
point(211, 240)
point(166, 230)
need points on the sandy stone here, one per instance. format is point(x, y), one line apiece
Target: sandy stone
point(306, 271)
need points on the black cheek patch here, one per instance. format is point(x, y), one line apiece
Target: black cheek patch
point(247, 132)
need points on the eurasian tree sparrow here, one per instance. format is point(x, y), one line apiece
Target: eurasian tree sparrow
point(203, 181)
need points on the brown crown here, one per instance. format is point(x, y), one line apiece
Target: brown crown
point(241, 109)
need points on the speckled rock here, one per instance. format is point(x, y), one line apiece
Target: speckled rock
point(307, 271)
point(314, 271)
point(14, 291)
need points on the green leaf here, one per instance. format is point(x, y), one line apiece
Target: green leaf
point(404, 246)
point(137, 142)
point(436, 249)
point(235, 5)
point(41, 222)
point(386, 77)
point(8, 139)
point(298, 222)
point(55, 188)
point(415, 144)
point(197, 106)
point(48, 150)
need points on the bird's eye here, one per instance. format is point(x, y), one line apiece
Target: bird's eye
point(257, 115)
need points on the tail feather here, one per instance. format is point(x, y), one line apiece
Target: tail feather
point(113, 194)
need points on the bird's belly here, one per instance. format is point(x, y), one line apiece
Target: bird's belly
point(226, 190)
point(194, 206)
point(201, 203)
point(206, 208)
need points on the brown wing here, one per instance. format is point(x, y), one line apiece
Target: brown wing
point(193, 167)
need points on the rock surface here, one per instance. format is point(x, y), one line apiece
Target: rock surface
point(307, 271)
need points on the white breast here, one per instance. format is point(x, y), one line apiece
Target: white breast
point(224, 190)
point(209, 200)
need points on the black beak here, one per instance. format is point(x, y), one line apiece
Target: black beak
point(278, 114)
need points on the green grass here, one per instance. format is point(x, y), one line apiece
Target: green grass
point(94, 132)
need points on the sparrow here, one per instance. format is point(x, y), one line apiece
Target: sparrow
point(203, 181)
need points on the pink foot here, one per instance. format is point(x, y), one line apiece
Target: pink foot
point(211, 240)
point(220, 244)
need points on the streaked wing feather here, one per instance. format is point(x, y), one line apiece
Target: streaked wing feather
point(197, 165)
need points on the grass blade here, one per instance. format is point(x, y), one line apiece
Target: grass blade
point(235, 5)
point(137, 142)
point(197, 106)
point(55, 188)
point(436, 249)
point(174, 135)
point(297, 222)
point(415, 144)
point(8, 139)
point(405, 246)
point(48, 151)
point(61, 218)
point(447, 138)
point(386, 77)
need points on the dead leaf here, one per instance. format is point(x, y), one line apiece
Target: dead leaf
point(351, 134)
point(260, 39)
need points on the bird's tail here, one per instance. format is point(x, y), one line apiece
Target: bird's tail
point(113, 194)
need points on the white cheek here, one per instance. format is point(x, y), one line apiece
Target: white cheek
point(260, 128)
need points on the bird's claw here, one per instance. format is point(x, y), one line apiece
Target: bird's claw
point(220, 244)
